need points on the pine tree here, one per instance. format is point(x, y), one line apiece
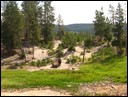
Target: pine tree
point(34, 27)
point(99, 24)
point(26, 18)
point(3, 5)
point(111, 20)
point(60, 27)
point(112, 15)
point(87, 44)
point(119, 29)
point(11, 26)
point(108, 31)
point(47, 21)
point(31, 20)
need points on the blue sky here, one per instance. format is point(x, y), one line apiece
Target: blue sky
point(82, 11)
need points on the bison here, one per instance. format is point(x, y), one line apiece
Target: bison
point(56, 63)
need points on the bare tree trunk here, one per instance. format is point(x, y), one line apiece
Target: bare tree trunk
point(33, 52)
point(108, 44)
point(23, 55)
point(83, 55)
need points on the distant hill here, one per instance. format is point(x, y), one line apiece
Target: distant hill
point(83, 27)
point(78, 28)
point(65, 28)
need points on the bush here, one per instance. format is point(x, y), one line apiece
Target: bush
point(44, 62)
point(49, 45)
point(71, 48)
point(33, 63)
point(88, 42)
point(40, 63)
point(59, 53)
point(82, 53)
point(73, 59)
point(121, 52)
point(22, 56)
point(115, 42)
point(119, 44)
point(60, 46)
point(69, 39)
point(30, 52)
point(103, 53)
point(51, 52)
point(97, 41)
point(88, 51)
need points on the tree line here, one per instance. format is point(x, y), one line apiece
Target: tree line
point(111, 29)
point(34, 23)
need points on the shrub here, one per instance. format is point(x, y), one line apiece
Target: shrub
point(60, 46)
point(59, 53)
point(73, 59)
point(121, 52)
point(82, 53)
point(22, 56)
point(69, 39)
point(49, 45)
point(97, 41)
point(44, 62)
point(71, 48)
point(119, 44)
point(88, 42)
point(40, 63)
point(30, 52)
point(33, 63)
point(103, 53)
point(51, 52)
point(88, 51)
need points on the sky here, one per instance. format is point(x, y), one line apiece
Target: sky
point(82, 11)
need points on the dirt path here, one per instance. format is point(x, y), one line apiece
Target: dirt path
point(103, 88)
point(35, 92)
point(92, 89)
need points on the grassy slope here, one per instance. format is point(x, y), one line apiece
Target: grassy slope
point(113, 69)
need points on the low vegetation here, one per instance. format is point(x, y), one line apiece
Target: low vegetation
point(40, 63)
point(112, 68)
point(73, 59)
point(103, 53)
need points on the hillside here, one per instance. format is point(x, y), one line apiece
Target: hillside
point(78, 27)
point(82, 27)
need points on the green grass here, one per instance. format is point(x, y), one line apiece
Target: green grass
point(112, 69)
